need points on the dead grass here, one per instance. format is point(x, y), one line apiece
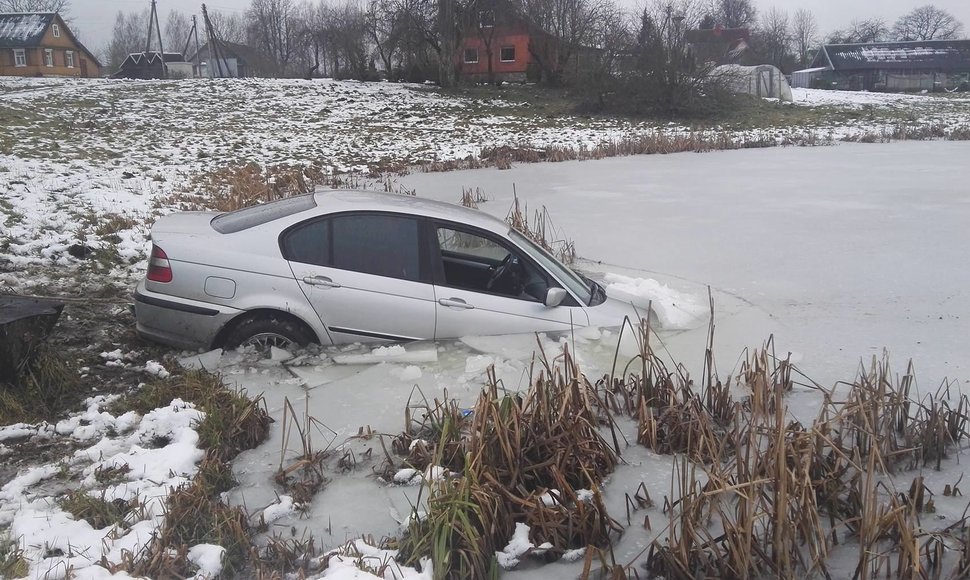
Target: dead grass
point(911, 131)
point(541, 230)
point(237, 186)
point(515, 458)
point(112, 223)
point(195, 513)
point(303, 476)
point(755, 493)
point(233, 421)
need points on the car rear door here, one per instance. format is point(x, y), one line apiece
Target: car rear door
point(465, 307)
point(365, 274)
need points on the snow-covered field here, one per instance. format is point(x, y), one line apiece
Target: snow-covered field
point(839, 252)
point(76, 152)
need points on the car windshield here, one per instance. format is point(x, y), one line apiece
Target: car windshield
point(248, 217)
point(569, 278)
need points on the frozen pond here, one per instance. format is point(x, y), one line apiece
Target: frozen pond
point(840, 251)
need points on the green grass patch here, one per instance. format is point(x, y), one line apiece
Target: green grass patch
point(45, 389)
point(97, 511)
point(12, 562)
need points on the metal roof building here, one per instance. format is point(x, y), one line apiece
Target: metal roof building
point(895, 66)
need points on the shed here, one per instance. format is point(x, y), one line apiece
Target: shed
point(896, 66)
point(238, 60)
point(806, 78)
point(148, 65)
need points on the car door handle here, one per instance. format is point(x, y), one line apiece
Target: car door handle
point(320, 281)
point(455, 303)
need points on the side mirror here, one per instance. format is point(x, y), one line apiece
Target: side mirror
point(554, 297)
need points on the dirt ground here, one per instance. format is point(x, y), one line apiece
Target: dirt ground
point(97, 318)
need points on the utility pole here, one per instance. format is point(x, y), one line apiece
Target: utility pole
point(193, 32)
point(214, 50)
point(153, 20)
point(198, 57)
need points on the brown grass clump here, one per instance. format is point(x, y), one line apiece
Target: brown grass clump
point(233, 421)
point(303, 476)
point(113, 223)
point(472, 197)
point(514, 458)
point(759, 494)
point(542, 231)
point(195, 513)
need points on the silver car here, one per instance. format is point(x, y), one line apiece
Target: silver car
point(352, 266)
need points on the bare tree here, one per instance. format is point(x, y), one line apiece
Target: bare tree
point(177, 27)
point(571, 24)
point(274, 30)
point(774, 36)
point(127, 36)
point(662, 78)
point(737, 13)
point(869, 30)
point(383, 31)
point(62, 6)
point(228, 26)
point(350, 41)
point(804, 30)
point(927, 23)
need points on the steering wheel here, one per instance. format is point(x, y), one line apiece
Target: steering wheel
point(505, 278)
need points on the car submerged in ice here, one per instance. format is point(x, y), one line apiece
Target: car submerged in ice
point(351, 266)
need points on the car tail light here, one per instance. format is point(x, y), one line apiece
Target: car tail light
point(159, 269)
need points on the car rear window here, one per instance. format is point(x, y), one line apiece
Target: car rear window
point(248, 217)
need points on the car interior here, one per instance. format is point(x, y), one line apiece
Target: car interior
point(472, 262)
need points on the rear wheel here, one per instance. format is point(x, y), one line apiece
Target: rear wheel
point(264, 332)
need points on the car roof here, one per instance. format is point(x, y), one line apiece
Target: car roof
point(338, 200)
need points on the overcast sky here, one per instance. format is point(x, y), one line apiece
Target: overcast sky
point(93, 19)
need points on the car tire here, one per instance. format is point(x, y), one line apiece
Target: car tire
point(263, 332)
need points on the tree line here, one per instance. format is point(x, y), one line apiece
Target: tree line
point(415, 39)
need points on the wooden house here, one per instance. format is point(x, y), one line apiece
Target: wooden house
point(40, 44)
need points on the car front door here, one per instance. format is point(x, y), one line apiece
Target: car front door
point(365, 274)
point(471, 301)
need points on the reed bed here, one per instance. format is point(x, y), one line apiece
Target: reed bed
point(755, 493)
point(535, 458)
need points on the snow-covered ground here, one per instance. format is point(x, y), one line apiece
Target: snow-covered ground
point(76, 152)
point(838, 251)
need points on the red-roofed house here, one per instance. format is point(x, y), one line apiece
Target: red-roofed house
point(720, 45)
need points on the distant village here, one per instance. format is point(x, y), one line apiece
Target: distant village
point(449, 42)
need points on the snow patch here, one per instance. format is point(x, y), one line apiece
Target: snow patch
point(675, 310)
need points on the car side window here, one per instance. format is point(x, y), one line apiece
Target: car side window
point(382, 245)
point(309, 243)
point(482, 264)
